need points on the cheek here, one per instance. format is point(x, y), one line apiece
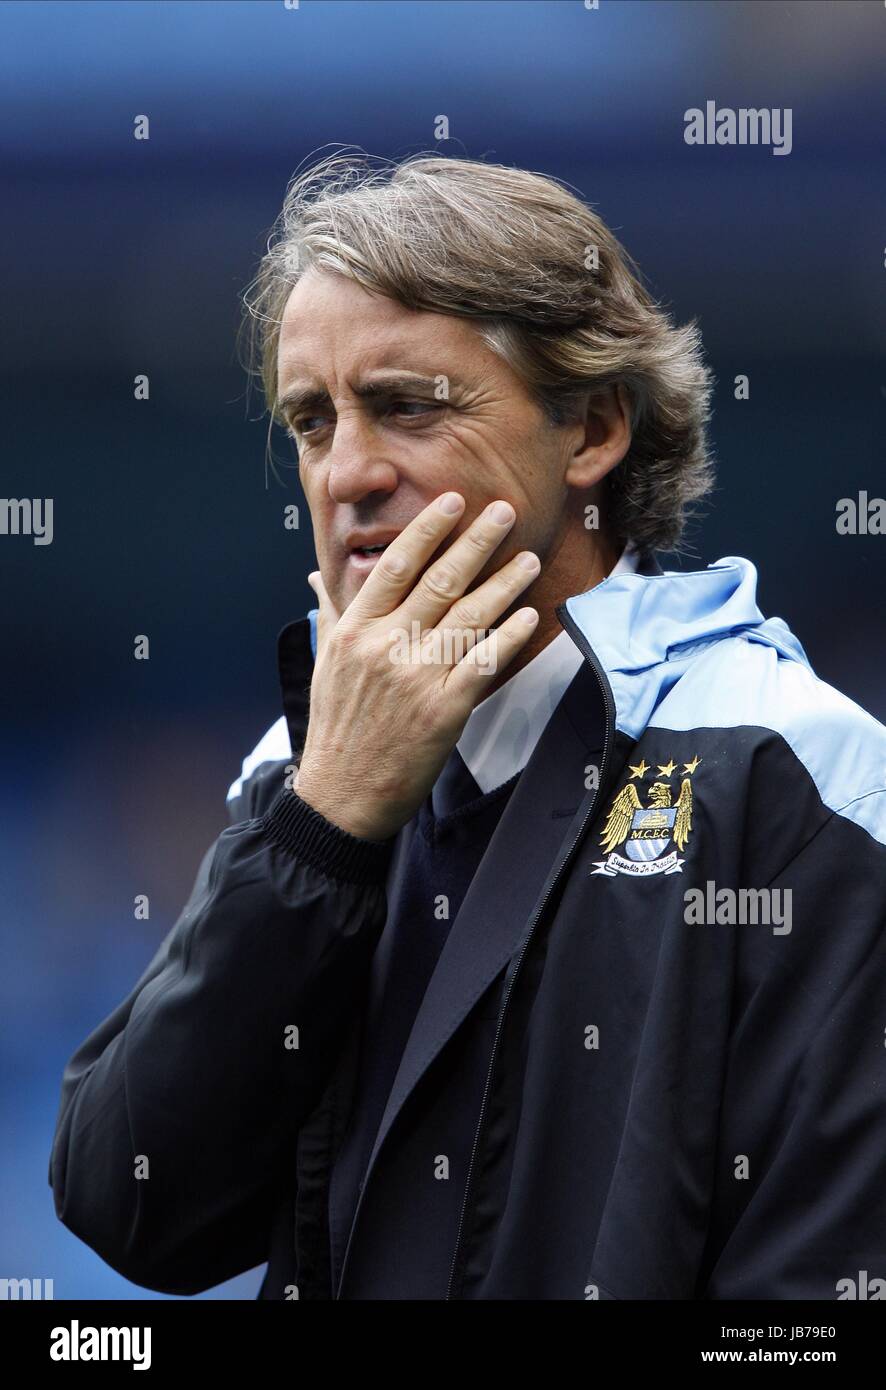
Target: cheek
point(480, 460)
point(317, 497)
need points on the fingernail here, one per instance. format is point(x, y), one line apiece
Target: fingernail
point(528, 561)
point(502, 512)
point(529, 616)
point(450, 503)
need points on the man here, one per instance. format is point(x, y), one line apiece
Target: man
point(559, 971)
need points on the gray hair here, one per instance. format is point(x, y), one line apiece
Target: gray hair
point(547, 284)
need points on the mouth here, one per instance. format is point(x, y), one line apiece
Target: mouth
point(363, 547)
point(363, 557)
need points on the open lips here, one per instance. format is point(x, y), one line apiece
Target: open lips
point(363, 557)
point(364, 548)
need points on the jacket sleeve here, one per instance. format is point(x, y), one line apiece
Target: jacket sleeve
point(178, 1116)
point(801, 1212)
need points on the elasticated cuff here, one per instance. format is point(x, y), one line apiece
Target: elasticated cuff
point(298, 828)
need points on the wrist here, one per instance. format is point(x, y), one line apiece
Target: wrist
point(344, 813)
point(306, 834)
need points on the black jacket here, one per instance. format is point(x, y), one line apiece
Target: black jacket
point(685, 1090)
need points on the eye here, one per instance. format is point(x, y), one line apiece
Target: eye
point(305, 424)
point(408, 410)
point(419, 407)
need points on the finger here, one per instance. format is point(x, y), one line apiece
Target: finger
point(468, 682)
point(327, 613)
point(396, 570)
point(447, 578)
point(468, 619)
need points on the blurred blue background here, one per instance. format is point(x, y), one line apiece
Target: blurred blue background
point(124, 256)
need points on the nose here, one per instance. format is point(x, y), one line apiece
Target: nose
point(357, 465)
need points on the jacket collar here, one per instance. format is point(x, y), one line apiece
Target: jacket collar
point(646, 629)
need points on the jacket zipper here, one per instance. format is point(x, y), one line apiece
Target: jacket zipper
point(567, 622)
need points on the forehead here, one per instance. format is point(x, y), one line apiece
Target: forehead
point(331, 321)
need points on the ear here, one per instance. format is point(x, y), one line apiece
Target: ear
point(601, 438)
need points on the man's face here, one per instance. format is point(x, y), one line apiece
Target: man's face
point(370, 463)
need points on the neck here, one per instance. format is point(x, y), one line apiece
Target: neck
point(550, 589)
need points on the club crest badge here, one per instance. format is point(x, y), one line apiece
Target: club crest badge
point(645, 832)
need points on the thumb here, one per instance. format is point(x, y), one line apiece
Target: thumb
point(327, 615)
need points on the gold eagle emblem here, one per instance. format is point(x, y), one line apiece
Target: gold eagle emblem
point(622, 817)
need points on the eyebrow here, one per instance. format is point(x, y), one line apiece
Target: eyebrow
point(386, 384)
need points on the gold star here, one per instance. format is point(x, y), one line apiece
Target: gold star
point(666, 769)
point(690, 767)
point(640, 770)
